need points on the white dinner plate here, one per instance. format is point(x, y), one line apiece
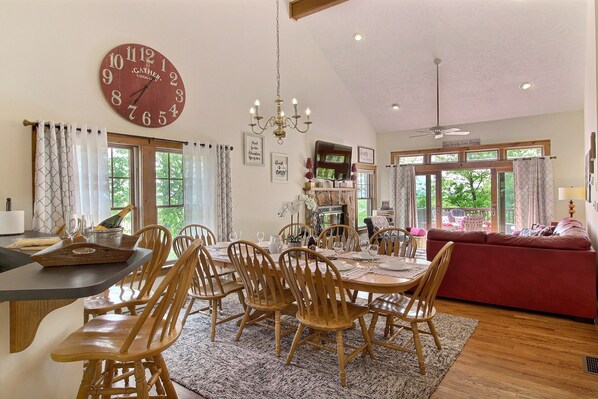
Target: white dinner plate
point(395, 266)
point(362, 256)
point(221, 244)
point(341, 265)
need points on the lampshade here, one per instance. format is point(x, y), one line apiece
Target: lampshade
point(572, 193)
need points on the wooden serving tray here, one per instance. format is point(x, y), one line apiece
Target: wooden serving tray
point(67, 252)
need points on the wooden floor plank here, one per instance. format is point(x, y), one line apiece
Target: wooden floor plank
point(515, 354)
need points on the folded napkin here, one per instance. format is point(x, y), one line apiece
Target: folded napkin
point(24, 243)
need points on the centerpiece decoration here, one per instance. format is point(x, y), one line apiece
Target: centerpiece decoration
point(293, 208)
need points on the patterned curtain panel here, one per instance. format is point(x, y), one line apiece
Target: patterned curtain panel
point(224, 196)
point(55, 179)
point(534, 195)
point(91, 148)
point(402, 195)
point(199, 179)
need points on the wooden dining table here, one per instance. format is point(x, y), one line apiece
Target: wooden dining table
point(371, 281)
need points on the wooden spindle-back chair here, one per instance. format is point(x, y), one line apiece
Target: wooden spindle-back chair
point(199, 231)
point(294, 229)
point(264, 290)
point(320, 306)
point(136, 288)
point(339, 233)
point(394, 241)
point(419, 308)
point(137, 342)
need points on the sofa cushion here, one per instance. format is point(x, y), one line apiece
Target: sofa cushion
point(573, 242)
point(566, 224)
point(476, 237)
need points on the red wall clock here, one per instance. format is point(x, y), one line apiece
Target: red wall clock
point(142, 85)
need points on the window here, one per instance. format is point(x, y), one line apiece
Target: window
point(121, 177)
point(514, 153)
point(409, 160)
point(444, 158)
point(482, 155)
point(366, 193)
point(169, 190)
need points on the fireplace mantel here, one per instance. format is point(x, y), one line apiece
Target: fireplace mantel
point(337, 196)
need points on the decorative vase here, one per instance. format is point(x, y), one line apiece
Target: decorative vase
point(309, 185)
point(294, 245)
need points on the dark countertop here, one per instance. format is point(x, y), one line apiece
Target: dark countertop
point(31, 281)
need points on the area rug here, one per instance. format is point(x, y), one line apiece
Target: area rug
point(226, 369)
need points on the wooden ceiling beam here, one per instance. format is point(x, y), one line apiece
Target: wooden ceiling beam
point(302, 8)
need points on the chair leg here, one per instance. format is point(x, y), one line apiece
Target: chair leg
point(418, 348)
point(433, 331)
point(366, 337)
point(295, 343)
point(140, 382)
point(165, 376)
point(88, 374)
point(189, 309)
point(370, 297)
point(277, 331)
point(341, 356)
point(242, 299)
point(243, 322)
point(373, 325)
point(214, 309)
point(109, 375)
point(353, 295)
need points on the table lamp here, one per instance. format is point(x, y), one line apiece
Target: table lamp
point(571, 193)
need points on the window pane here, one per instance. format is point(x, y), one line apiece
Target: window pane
point(162, 165)
point(162, 192)
point(524, 152)
point(176, 166)
point(176, 192)
point(121, 193)
point(411, 160)
point(442, 158)
point(127, 223)
point(172, 218)
point(120, 162)
point(482, 155)
point(363, 211)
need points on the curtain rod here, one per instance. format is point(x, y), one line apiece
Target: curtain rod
point(30, 123)
point(472, 163)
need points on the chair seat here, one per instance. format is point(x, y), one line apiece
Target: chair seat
point(259, 303)
point(325, 321)
point(396, 304)
point(228, 287)
point(115, 298)
point(103, 336)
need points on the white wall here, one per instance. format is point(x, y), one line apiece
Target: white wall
point(590, 122)
point(565, 131)
point(224, 50)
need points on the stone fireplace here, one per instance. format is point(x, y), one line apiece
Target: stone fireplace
point(336, 206)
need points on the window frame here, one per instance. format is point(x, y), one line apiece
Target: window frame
point(373, 189)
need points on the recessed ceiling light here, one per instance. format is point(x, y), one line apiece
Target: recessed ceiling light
point(525, 85)
point(395, 106)
point(358, 37)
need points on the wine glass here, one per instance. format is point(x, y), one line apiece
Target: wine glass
point(373, 250)
point(86, 228)
point(338, 246)
point(364, 245)
point(233, 236)
point(260, 237)
point(72, 225)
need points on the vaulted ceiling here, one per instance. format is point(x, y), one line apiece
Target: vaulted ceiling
point(488, 48)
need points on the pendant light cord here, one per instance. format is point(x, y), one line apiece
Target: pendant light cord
point(277, 52)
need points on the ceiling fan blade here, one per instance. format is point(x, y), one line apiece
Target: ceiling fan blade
point(423, 131)
point(438, 136)
point(420, 135)
point(456, 133)
point(452, 129)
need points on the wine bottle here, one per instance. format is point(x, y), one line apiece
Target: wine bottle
point(114, 220)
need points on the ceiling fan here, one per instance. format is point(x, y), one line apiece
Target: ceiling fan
point(439, 131)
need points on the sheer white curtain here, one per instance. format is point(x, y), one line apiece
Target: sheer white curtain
point(55, 179)
point(402, 195)
point(534, 195)
point(92, 165)
point(199, 176)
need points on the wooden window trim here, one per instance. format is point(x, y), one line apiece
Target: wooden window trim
point(374, 170)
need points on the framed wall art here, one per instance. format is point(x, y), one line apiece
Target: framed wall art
point(365, 155)
point(253, 148)
point(280, 167)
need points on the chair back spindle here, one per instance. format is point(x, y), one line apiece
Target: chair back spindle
point(339, 233)
point(199, 231)
point(394, 241)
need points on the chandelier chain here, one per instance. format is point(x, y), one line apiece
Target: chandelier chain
point(277, 52)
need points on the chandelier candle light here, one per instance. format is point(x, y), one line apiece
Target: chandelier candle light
point(279, 121)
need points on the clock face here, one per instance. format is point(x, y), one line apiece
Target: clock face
point(142, 85)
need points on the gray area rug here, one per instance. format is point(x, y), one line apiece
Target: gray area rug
point(250, 369)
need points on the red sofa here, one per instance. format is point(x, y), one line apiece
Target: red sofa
point(554, 274)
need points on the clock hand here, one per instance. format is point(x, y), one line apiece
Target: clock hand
point(142, 90)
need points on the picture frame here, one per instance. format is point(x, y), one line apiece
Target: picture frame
point(253, 149)
point(279, 167)
point(365, 155)
point(593, 146)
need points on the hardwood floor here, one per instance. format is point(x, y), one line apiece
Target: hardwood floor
point(515, 354)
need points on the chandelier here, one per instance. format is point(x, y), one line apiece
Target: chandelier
point(279, 122)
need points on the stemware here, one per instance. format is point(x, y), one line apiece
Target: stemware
point(364, 245)
point(86, 228)
point(233, 236)
point(373, 250)
point(337, 246)
point(260, 237)
point(72, 225)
